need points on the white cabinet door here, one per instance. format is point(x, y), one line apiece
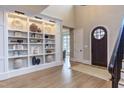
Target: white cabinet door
point(1, 50)
point(78, 45)
point(1, 17)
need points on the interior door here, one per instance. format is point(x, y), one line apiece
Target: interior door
point(78, 45)
point(99, 46)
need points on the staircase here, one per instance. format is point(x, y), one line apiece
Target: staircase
point(116, 66)
point(121, 81)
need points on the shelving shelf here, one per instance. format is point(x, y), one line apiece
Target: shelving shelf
point(50, 43)
point(17, 30)
point(17, 43)
point(17, 37)
point(36, 54)
point(18, 50)
point(35, 38)
point(21, 56)
point(36, 20)
point(49, 48)
point(36, 33)
point(35, 66)
point(13, 70)
point(50, 34)
point(50, 39)
point(36, 43)
point(49, 53)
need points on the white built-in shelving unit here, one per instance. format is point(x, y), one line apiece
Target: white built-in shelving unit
point(24, 45)
point(24, 50)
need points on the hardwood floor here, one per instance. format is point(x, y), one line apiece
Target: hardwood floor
point(56, 77)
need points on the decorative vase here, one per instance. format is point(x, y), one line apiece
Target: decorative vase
point(20, 41)
point(38, 61)
point(18, 63)
point(17, 24)
point(49, 58)
point(33, 27)
point(34, 60)
point(38, 30)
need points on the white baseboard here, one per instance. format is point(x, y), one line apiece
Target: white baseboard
point(10, 74)
point(87, 62)
point(74, 59)
point(83, 61)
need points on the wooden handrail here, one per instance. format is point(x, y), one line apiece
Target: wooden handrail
point(116, 58)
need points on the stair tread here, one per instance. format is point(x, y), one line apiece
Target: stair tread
point(121, 82)
point(122, 70)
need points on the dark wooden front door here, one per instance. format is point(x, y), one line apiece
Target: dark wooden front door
point(99, 46)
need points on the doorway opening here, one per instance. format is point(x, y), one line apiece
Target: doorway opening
point(66, 46)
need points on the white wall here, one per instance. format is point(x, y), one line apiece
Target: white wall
point(90, 16)
point(63, 12)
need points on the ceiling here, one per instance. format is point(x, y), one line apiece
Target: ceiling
point(28, 9)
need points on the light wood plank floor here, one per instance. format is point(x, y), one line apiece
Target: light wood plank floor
point(56, 77)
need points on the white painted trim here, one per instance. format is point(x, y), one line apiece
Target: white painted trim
point(72, 59)
point(87, 62)
point(1, 57)
point(107, 43)
point(10, 74)
point(75, 60)
point(6, 41)
point(84, 61)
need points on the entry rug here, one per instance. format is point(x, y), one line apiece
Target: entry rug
point(93, 71)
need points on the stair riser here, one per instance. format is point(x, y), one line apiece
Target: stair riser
point(120, 86)
point(122, 75)
point(122, 64)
